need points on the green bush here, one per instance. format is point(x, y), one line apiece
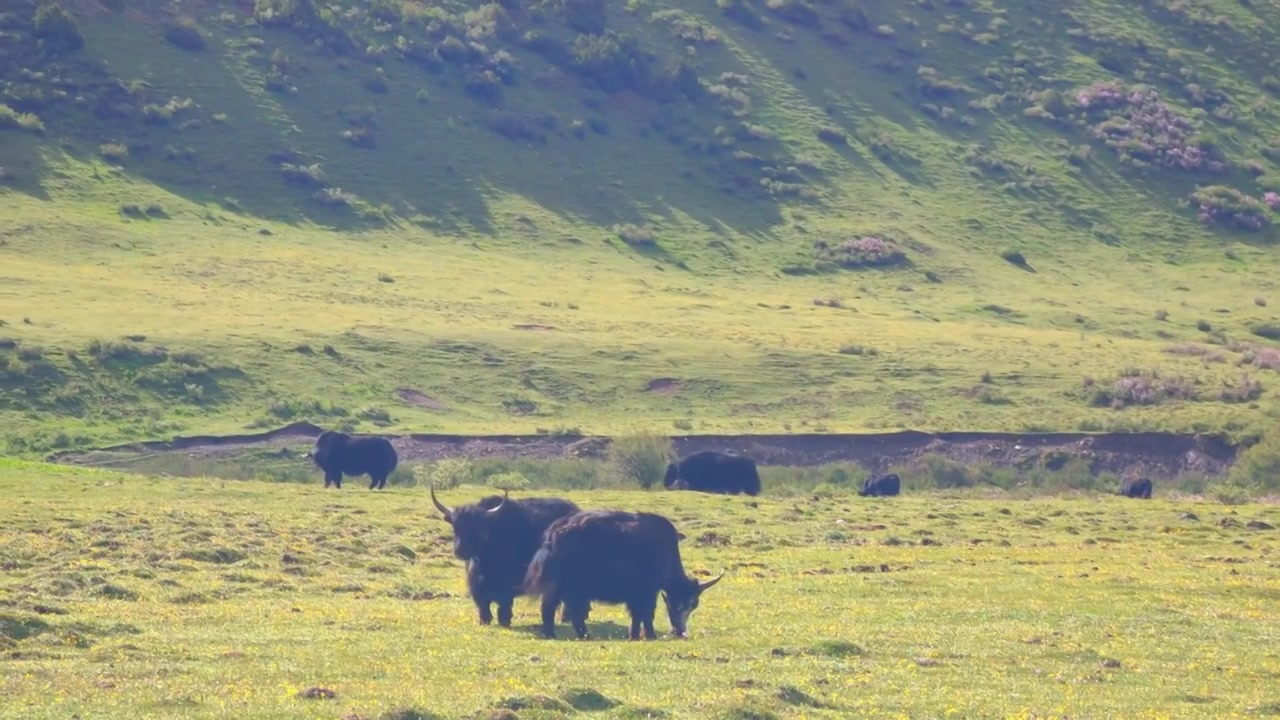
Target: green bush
point(56, 30)
point(640, 458)
point(1258, 466)
point(445, 474)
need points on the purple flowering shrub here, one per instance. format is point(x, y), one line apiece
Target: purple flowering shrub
point(1141, 128)
point(1147, 387)
point(865, 251)
point(1137, 387)
point(1271, 200)
point(1219, 204)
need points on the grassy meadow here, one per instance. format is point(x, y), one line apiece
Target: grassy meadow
point(132, 596)
point(654, 217)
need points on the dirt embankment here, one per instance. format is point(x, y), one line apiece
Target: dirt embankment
point(1125, 454)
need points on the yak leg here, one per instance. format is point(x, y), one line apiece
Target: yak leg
point(382, 482)
point(504, 610)
point(578, 617)
point(642, 614)
point(549, 603)
point(486, 615)
point(482, 601)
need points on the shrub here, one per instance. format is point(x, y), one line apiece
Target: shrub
point(446, 473)
point(184, 33)
point(10, 118)
point(1258, 466)
point(866, 251)
point(1141, 128)
point(636, 235)
point(1137, 387)
point(832, 136)
point(508, 481)
point(640, 458)
point(56, 30)
point(306, 175)
point(1219, 204)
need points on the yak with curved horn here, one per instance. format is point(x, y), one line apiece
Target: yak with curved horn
point(497, 537)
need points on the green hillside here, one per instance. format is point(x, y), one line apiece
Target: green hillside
point(731, 216)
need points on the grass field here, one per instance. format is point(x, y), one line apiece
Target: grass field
point(129, 596)
point(351, 206)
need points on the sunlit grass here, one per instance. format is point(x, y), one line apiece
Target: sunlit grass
point(138, 596)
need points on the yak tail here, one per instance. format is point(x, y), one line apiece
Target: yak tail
point(536, 578)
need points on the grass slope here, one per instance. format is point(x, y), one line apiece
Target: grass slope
point(127, 595)
point(530, 213)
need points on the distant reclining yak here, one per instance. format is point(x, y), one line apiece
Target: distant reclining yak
point(1136, 488)
point(714, 472)
point(882, 486)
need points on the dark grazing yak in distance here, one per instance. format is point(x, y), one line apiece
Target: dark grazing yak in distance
point(882, 486)
point(713, 472)
point(1136, 488)
point(613, 557)
point(338, 454)
point(497, 538)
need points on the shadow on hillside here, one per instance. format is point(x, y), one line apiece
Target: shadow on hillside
point(21, 165)
point(438, 164)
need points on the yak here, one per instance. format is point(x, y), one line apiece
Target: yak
point(1136, 488)
point(714, 472)
point(613, 556)
point(882, 486)
point(339, 454)
point(497, 538)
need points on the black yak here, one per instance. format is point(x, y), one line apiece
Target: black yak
point(1136, 488)
point(714, 472)
point(613, 557)
point(883, 486)
point(497, 538)
point(339, 454)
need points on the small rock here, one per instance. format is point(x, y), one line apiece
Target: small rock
point(1259, 525)
point(1190, 516)
point(318, 693)
point(1111, 663)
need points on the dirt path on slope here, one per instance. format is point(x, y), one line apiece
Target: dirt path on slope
point(1125, 454)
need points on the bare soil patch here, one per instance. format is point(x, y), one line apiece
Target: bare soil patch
point(663, 386)
point(414, 397)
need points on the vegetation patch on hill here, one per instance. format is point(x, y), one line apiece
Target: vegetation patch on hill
point(804, 214)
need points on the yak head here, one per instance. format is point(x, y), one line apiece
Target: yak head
point(470, 524)
point(682, 600)
point(325, 444)
point(673, 472)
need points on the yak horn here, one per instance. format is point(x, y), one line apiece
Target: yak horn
point(448, 514)
point(499, 506)
point(709, 583)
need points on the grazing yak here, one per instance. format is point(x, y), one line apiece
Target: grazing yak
point(339, 454)
point(1136, 488)
point(611, 556)
point(714, 472)
point(883, 486)
point(497, 538)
